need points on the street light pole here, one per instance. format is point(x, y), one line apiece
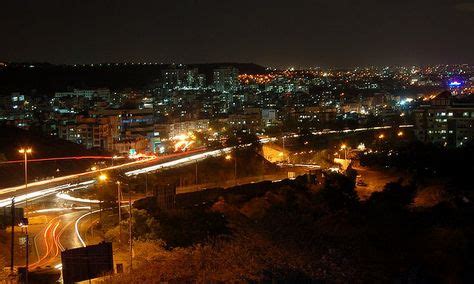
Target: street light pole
point(25, 153)
point(344, 147)
point(102, 178)
point(130, 228)
point(284, 150)
point(12, 243)
point(119, 201)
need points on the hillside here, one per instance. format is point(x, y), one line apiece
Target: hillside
point(11, 139)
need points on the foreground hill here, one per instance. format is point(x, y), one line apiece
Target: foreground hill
point(302, 232)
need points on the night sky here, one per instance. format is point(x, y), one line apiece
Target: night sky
point(299, 33)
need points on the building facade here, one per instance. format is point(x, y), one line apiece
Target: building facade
point(445, 120)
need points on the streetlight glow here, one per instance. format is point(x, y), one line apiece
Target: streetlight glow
point(27, 151)
point(102, 177)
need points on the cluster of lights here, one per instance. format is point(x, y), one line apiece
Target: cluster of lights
point(256, 79)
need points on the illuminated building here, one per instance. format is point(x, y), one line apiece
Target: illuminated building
point(182, 78)
point(445, 120)
point(169, 130)
point(225, 79)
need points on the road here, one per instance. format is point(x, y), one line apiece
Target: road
point(41, 189)
point(52, 230)
point(55, 235)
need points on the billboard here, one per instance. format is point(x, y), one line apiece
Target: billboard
point(87, 263)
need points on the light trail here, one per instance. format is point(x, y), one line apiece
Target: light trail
point(64, 158)
point(67, 197)
point(73, 176)
point(324, 132)
point(193, 158)
point(301, 165)
point(359, 129)
point(182, 161)
point(42, 193)
point(59, 209)
point(76, 226)
point(43, 259)
point(95, 172)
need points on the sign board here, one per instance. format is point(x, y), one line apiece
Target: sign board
point(87, 263)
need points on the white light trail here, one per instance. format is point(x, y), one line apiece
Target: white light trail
point(76, 226)
point(67, 197)
point(42, 193)
point(60, 209)
point(182, 161)
point(68, 177)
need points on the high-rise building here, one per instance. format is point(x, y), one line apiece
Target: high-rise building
point(445, 120)
point(182, 78)
point(225, 79)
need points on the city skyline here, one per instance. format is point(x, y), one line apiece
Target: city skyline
point(277, 34)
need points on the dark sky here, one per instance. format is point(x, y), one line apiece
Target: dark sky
point(298, 33)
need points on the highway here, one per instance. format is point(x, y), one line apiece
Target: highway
point(56, 235)
point(41, 189)
point(53, 230)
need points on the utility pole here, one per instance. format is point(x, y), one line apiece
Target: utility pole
point(284, 149)
point(119, 201)
point(196, 181)
point(100, 213)
point(130, 228)
point(25, 152)
point(27, 240)
point(12, 243)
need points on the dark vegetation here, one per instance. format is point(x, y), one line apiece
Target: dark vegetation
point(298, 231)
point(429, 162)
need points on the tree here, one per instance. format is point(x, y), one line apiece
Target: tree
point(393, 196)
point(339, 192)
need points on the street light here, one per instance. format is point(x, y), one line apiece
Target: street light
point(103, 177)
point(119, 201)
point(344, 148)
point(400, 134)
point(25, 152)
point(381, 136)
